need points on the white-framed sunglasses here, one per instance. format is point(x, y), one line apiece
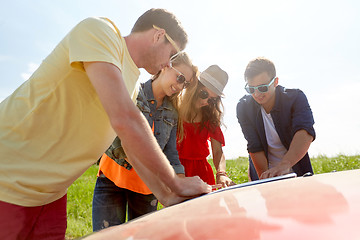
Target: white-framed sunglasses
point(261, 88)
point(181, 77)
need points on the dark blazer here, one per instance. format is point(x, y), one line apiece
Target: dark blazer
point(290, 114)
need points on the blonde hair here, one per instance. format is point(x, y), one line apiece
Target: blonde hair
point(181, 59)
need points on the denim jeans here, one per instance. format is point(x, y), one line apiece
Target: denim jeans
point(252, 171)
point(111, 202)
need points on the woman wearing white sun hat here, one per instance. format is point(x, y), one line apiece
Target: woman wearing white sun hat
point(202, 120)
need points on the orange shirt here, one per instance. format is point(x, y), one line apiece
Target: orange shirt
point(122, 177)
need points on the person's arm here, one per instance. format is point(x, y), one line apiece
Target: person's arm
point(298, 148)
point(302, 122)
point(246, 111)
point(138, 141)
point(172, 154)
point(220, 164)
point(260, 162)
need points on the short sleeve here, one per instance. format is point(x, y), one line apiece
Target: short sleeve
point(218, 135)
point(95, 39)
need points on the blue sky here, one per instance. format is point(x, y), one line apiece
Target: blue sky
point(314, 45)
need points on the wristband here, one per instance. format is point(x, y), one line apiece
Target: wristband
point(221, 173)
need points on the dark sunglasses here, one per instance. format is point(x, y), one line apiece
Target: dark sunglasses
point(261, 88)
point(181, 78)
point(205, 95)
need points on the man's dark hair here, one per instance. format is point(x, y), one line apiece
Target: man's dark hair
point(258, 66)
point(163, 19)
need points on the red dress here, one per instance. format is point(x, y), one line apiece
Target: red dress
point(194, 149)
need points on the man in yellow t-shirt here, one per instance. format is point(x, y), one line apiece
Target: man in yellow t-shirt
point(57, 124)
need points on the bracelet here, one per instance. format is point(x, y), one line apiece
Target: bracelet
point(221, 173)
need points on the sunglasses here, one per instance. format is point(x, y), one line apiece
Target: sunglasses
point(261, 88)
point(180, 78)
point(205, 95)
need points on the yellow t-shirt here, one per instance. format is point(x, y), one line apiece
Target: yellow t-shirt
point(53, 127)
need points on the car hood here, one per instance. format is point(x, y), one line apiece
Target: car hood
point(323, 206)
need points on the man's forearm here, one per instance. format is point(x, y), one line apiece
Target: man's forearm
point(129, 124)
point(260, 162)
point(152, 166)
point(298, 148)
point(138, 141)
point(144, 153)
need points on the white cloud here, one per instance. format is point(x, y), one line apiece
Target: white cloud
point(31, 69)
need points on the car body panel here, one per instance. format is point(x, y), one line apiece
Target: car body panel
point(323, 206)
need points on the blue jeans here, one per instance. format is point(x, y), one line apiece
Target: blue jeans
point(252, 170)
point(110, 203)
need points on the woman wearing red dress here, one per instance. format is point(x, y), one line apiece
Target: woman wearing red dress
point(201, 114)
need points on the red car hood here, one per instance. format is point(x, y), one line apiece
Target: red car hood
point(323, 206)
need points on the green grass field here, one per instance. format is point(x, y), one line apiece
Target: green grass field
point(81, 191)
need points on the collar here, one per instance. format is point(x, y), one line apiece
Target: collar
point(278, 91)
point(148, 91)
